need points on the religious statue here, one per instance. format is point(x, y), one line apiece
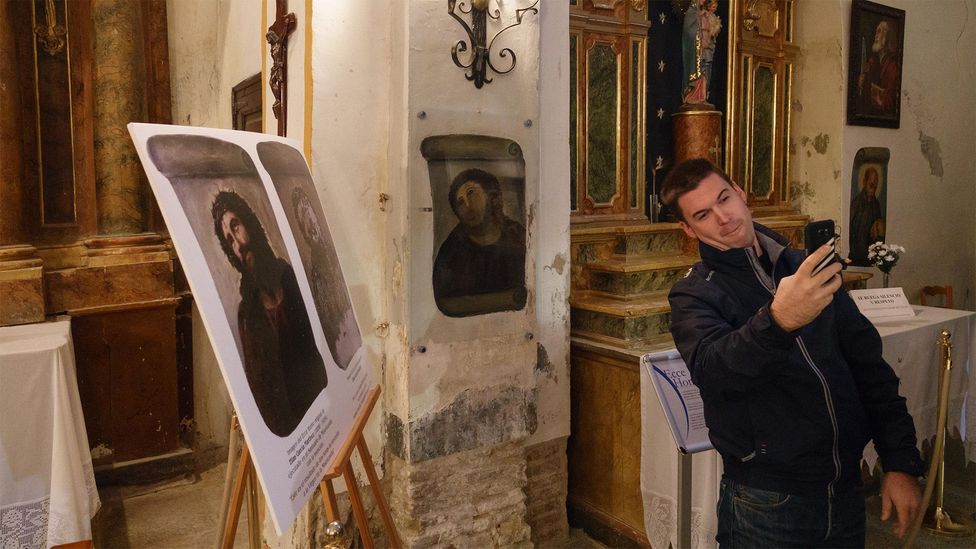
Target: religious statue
point(277, 37)
point(701, 26)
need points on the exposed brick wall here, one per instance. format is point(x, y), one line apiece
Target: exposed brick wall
point(468, 499)
point(546, 490)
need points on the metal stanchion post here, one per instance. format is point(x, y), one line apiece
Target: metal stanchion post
point(939, 520)
point(684, 500)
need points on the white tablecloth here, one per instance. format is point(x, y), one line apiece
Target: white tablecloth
point(910, 346)
point(47, 487)
point(912, 349)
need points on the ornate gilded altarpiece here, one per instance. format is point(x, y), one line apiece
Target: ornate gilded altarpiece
point(78, 233)
point(608, 55)
point(761, 74)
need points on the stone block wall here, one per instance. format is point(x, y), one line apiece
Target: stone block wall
point(545, 491)
point(475, 498)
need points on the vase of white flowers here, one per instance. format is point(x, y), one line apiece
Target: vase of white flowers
point(884, 257)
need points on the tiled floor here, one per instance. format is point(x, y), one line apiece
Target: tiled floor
point(178, 513)
point(184, 513)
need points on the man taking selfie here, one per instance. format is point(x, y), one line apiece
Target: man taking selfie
point(791, 375)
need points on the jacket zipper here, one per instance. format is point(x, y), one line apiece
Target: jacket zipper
point(833, 422)
point(769, 282)
point(830, 410)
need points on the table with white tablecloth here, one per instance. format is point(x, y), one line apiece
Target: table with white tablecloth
point(910, 346)
point(47, 486)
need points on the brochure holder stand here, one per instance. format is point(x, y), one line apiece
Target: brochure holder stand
point(682, 405)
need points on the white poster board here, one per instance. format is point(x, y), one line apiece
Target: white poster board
point(252, 238)
point(680, 399)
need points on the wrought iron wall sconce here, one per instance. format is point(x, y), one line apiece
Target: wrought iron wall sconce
point(479, 60)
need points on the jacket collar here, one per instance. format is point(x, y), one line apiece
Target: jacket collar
point(737, 259)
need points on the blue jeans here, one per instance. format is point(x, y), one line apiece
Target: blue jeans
point(749, 517)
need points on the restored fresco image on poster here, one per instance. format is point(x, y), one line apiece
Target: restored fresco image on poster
point(284, 370)
point(252, 282)
point(478, 189)
point(869, 197)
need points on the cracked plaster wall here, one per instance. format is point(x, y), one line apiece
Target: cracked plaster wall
point(818, 110)
point(374, 67)
point(931, 196)
point(498, 352)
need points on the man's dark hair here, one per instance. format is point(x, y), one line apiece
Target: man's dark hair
point(488, 182)
point(229, 201)
point(683, 179)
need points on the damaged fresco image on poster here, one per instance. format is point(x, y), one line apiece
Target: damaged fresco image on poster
point(271, 294)
point(292, 180)
point(478, 189)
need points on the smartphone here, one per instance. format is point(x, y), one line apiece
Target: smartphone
point(815, 235)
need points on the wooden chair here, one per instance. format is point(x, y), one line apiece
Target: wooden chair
point(944, 291)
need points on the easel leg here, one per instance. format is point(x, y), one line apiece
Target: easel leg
point(237, 497)
point(356, 498)
point(343, 466)
point(329, 500)
point(374, 484)
point(253, 514)
point(232, 454)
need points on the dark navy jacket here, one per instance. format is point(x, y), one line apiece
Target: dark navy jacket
point(788, 411)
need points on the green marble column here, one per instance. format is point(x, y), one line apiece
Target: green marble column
point(119, 99)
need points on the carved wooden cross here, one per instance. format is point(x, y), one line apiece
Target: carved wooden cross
point(277, 36)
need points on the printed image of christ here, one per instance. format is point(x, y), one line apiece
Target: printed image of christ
point(225, 201)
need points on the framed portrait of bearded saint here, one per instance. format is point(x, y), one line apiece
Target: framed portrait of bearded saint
point(875, 65)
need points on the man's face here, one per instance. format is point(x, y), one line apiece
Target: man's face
point(871, 184)
point(472, 204)
point(716, 213)
point(236, 235)
point(880, 38)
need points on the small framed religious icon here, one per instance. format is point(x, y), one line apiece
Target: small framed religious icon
point(875, 65)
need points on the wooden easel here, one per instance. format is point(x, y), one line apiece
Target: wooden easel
point(341, 466)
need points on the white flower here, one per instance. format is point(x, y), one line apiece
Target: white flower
point(889, 257)
point(871, 254)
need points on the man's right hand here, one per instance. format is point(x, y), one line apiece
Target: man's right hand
point(801, 296)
